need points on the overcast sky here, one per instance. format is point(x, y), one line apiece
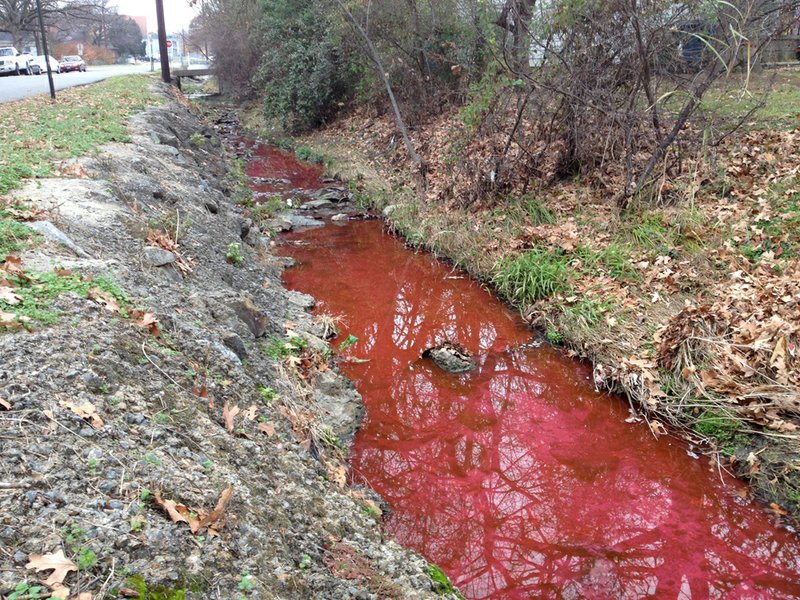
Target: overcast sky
point(177, 13)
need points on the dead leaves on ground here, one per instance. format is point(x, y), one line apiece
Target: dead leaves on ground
point(161, 239)
point(743, 347)
point(56, 561)
point(11, 268)
point(87, 411)
point(197, 518)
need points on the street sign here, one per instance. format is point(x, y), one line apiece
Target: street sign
point(169, 43)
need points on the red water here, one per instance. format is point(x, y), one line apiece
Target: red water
point(272, 163)
point(518, 479)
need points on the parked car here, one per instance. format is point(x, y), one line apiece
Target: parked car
point(11, 61)
point(41, 61)
point(72, 63)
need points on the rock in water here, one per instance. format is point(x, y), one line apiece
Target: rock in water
point(450, 357)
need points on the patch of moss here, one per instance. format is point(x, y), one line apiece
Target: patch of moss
point(721, 429)
point(441, 582)
point(161, 592)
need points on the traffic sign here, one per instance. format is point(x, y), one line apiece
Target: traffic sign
point(169, 43)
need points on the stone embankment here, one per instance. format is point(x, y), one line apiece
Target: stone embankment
point(126, 425)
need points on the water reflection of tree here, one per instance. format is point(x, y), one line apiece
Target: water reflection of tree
point(515, 479)
point(486, 495)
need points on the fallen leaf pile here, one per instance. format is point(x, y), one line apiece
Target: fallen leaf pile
point(161, 239)
point(744, 347)
point(197, 518)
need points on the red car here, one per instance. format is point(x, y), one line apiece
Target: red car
point(72, 63)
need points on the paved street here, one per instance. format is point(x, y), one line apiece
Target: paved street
point(23, 86)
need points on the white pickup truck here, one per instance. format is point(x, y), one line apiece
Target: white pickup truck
point(11, 61)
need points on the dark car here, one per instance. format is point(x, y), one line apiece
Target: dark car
point(72, 63)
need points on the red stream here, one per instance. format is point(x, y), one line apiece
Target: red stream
point(270, 163)
point(519, 479)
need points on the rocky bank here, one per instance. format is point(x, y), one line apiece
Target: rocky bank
point(127, 424)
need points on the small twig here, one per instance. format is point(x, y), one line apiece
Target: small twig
point(14, 486)
point(157, 367)
point(101, 592)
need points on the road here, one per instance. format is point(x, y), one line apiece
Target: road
point(22, 86)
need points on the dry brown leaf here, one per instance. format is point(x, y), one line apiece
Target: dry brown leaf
point(59, 591)
point(87, 410)
point(338, 475)
point(251, 413)
point(177, 512)
point(84, 596)
point(778, 359)
point(8, 296)
point(657, 427)
point(146, 320)
point(215, 515)
point(229, 414)
point(11, 321)
point(267, 428)
point(13, 266)
point(104, 299)
point(60, 564)
point(778, 510)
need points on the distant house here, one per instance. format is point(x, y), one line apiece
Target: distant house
point(141, 22)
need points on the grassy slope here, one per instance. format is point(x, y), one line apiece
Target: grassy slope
point(79, 122)
point(689, 309)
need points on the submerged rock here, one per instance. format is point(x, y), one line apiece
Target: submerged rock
point(301, 221)
point(451, 357)
point(333, 194)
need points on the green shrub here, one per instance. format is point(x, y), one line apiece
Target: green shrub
point(304, 71)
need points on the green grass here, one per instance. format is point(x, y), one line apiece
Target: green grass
point(780, 106)
point(277, 347)
point(308, 154)
point(719, 428)
point(14, 236)
point(613, 258)
point(266, 210)
point(39, 290)
point(35, 132)
point(533, 276)
point(650, 233)
point(587, 313)
point(538, 213)
point(441, 582)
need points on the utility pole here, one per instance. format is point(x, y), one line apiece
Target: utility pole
point(46, 51)
point(162, 42)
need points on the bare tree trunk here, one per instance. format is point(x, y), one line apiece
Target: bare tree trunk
point(373, 54)
point(515, 17)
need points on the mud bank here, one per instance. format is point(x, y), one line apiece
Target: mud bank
point(124, 422)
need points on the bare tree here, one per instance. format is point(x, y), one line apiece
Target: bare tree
point(376, 59)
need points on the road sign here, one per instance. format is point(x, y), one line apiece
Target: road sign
point(169, 43)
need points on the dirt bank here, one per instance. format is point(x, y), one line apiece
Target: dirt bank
point(689, 306)
point(146, 433)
